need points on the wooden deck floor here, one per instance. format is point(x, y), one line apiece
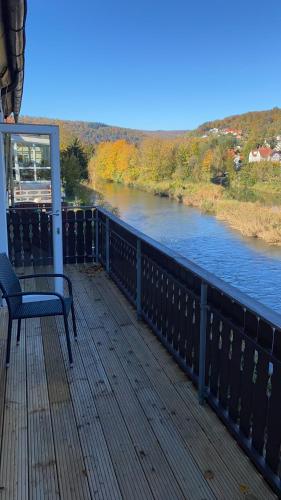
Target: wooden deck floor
point(124, 422)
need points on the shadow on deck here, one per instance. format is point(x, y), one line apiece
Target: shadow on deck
point(124, 422)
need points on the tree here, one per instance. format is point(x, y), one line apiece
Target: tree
point(207, 164)
point(71, 174)
point(75, 148)
point(186, 159)
point(114, 161)
point(157, 157)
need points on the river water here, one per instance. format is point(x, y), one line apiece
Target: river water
point(248, 264)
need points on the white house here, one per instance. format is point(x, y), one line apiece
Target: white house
point(260, 154)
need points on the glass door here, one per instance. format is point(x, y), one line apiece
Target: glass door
point(33, 195)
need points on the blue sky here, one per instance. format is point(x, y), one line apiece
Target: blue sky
point(151, 64)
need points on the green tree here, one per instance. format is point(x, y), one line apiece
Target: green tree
point(76, 149)
point(71, 174)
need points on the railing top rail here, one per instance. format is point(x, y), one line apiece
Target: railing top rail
point(48, 206)
point(233, 293)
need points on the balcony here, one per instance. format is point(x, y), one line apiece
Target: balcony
point(124, 422)
point(156, 334)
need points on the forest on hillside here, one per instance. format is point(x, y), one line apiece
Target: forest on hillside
point(255, 125)
point(91, 133)
point(138, 157)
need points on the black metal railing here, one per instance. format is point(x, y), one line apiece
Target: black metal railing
point(227, 343)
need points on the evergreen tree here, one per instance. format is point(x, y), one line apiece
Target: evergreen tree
point(71, 174)
point(75, 149)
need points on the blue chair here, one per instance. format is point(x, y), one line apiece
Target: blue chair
point(10, 285)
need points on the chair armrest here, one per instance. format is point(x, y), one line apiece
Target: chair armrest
point(49, 275)
point(25, 294)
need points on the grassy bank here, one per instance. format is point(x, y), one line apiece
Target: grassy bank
point(251, 219)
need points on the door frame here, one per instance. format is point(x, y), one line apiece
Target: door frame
point(53, 132)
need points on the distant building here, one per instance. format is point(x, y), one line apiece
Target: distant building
point(278, 143)
point(226, 131)
point(276, 156)
point(237, 158)
point(260, 154)
point(264, 154)
point(237, 133)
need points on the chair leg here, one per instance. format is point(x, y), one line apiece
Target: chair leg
point(18, 333)
point(68, 339)
point(74, 321)
point(8, 351)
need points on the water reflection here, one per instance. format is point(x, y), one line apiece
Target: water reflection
point(248, 264)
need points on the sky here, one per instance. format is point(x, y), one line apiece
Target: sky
point(151, 64)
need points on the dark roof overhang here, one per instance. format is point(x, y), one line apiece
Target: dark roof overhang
point(12, 45)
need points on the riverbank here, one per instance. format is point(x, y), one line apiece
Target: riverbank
point(251, 219)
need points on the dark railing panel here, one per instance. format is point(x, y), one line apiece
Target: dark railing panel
point(70, 255)
point(123, 263)
point(102, 244)
point(30, 235)
point(46, 239)
point(89, 235)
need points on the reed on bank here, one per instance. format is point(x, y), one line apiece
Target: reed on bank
point(251, 219)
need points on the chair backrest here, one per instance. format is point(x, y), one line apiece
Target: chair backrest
point(9, 282)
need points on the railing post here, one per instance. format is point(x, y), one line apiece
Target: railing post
point(97, 237)
point(138, 297)
point(107, 244)
point(202, 352)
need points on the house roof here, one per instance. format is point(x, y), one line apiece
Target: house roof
point(265, 152)
point(12, 45)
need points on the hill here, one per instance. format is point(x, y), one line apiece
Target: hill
point(95, 132)
point(254, 123)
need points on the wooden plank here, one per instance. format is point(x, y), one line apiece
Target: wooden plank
point(128, 469)
point(73, 481)
point(175, 373)
point(14, 459)
point(72, 476)
point(143, 368)
point(241, 469)
point(142, 436)
point(163, 480)
point(99, 466)
point(43, 480)
point(144, 371)
point(185, 471)
point(14, 447)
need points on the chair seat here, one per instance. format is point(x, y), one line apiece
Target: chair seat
point(42, 308)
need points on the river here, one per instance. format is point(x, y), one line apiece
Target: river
point(248, 264)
